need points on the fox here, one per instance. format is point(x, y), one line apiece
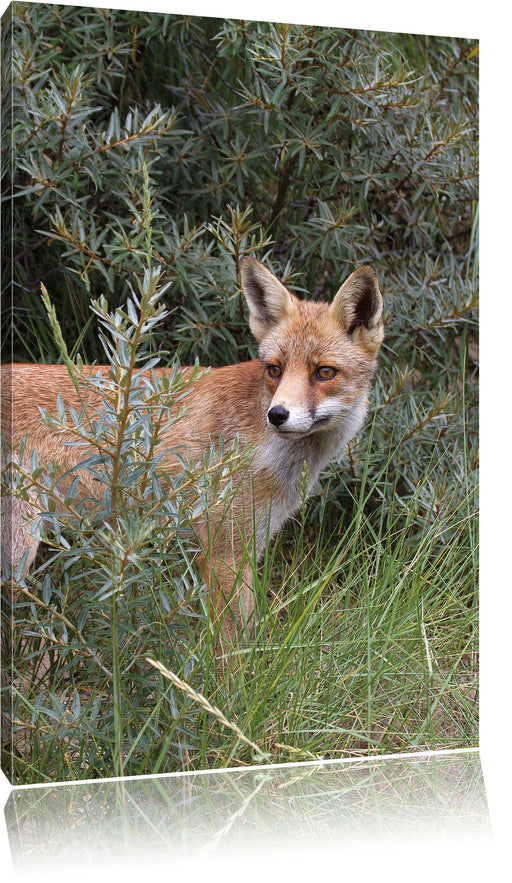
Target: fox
point(293, 408)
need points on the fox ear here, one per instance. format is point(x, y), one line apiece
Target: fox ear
point(358, 307)
point(268, 300)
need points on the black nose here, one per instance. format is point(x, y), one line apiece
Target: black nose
point(278, 415)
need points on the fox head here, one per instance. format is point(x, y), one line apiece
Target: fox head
point(318, 359)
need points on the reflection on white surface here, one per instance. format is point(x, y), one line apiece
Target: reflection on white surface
point(186, 817)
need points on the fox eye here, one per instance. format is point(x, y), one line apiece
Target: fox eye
point(325, 373)
point(274, 370)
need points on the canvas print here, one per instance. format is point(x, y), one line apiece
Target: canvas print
point(239, 393)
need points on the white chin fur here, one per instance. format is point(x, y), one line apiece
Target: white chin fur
point(292, 427)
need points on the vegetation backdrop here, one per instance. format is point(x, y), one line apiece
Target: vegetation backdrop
point(149, 153)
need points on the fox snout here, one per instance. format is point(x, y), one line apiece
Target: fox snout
point(292, 420)
point(296, 421)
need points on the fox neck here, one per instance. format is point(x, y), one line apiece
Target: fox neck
point(284, 459)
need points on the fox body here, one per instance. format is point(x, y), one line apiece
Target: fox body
point(300, 402)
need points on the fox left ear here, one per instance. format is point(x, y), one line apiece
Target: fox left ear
point(268, 300)
point(358, 307)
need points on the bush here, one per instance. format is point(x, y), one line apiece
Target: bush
point(314, 149)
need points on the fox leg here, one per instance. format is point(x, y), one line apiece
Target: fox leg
point(229, 580)
point(20, 533)
point(232, 598)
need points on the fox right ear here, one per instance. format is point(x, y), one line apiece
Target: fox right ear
point(268, 300)
point(358, 307)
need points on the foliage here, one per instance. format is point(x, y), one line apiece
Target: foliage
point(315, 150)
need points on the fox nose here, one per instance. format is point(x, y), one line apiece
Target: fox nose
point(278, 415)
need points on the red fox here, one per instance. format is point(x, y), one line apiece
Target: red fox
point(299, 403)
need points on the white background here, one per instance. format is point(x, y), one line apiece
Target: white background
point(441, 860)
